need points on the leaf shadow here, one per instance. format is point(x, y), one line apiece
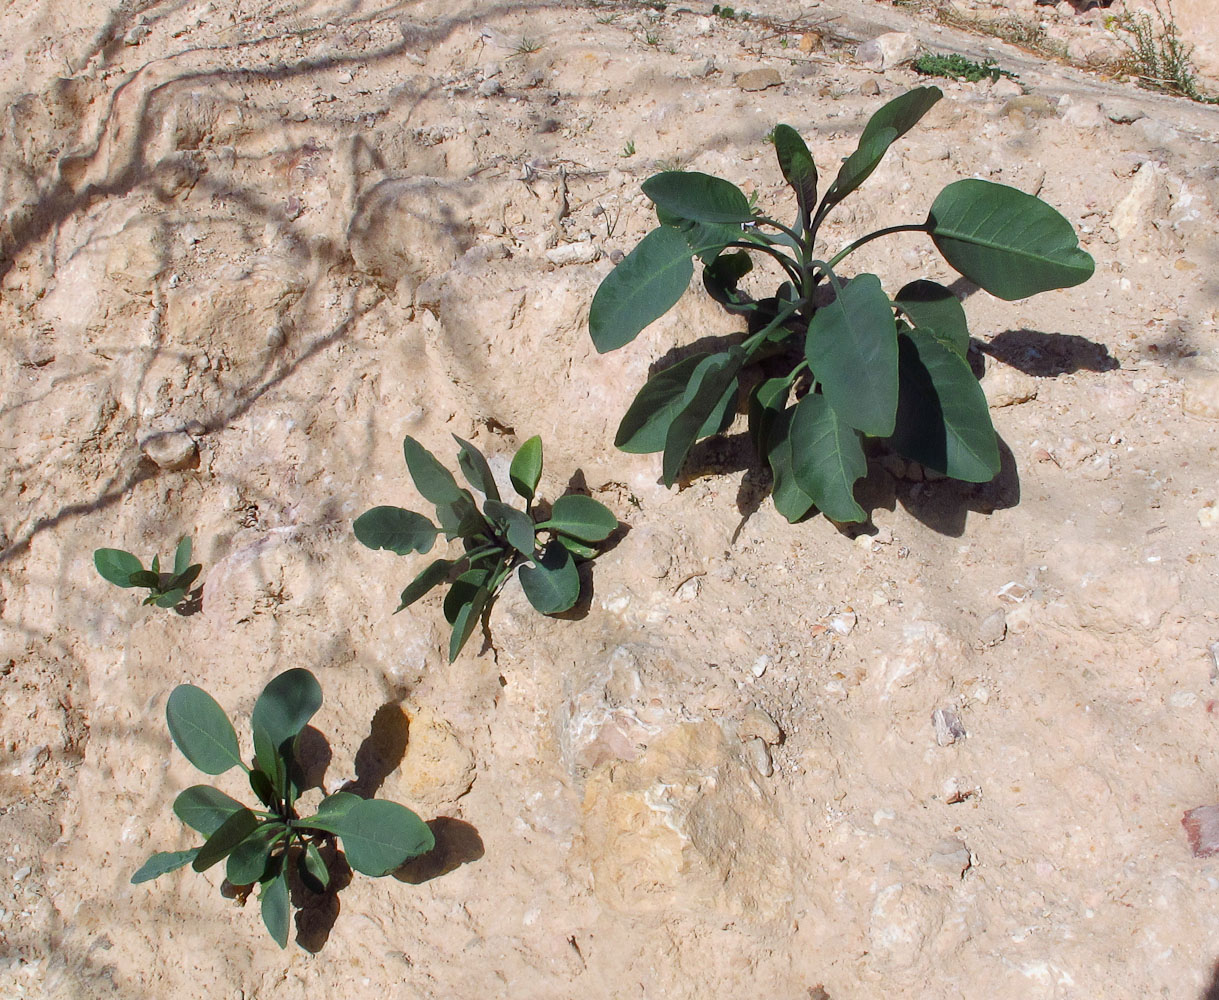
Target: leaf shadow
point(1048, 355)
point(457, 843)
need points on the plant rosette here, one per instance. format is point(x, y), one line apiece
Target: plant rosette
point(165, 590)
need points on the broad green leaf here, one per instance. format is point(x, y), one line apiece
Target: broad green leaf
point(156, 565)
point(435, 573)
point(170, 599)
point(201, 730)
point(162, 863)
point(286, 705)
point(526, 468)
point(269, 760)
point(378, 836)
point(698, 197)
point(552, 582)
point(464, 604)
point(713, 381)
point(116, 566)
point(578, 549)
point(644, 286)
point(934, 307)
point(460, 517)
point(224, 838)
point(476, 470)
point(890, 123)
point(943, 418)
point(336, 805)
point(313, 865)
point(790, 501)
point(276, 908)
point(204, 809)
point(767, 400)
point(182, 556)
point(145, 578)
point(706, 240)
point(581, 517)
point(799, 170)
point(183, 580)
point(827, 458)
point(663, 397)
point(721, 277)
point(261, 783)
point(400, 531)
point(517, 526)
point(1009, 242)
point(247, 862)
point(433, 481)
point(852, 349)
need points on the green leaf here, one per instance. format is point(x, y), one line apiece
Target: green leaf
point(852, 349)
point(943, 418)
point(312, 866)
point(889, 124)
point(286, 705)
point(663, 397)
point(706, 240)
point(578, 549)
point(170, 599)
point(270, 761)
point(581, 517)
point(464, 604)
point(433, 481)
point(261, 783)
point(790, 500)
point(476, 470)
point(247, 862)
point(378, 836)
point(400, 531)
point(644, 286)
point(1009, 242)
point(552, 582)
point(333, 806)
point(934, 307)
point(162, 863)
point(201, 730)
point(435, 573)
point(182, 556)
point(276, 908)
point(827, 458)
point(713, 382)
point(526, 469)
point(117, 566)
point(766, 402)
point(156, 565)
point(225, 837)
point(204, 809)
point(722, 276)
point(460, 518)
point(516, 524)
point(698, 197)
point(799, 170)
point(145, 578)
point(183, 580)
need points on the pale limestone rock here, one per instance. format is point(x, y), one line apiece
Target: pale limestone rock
point(573, 253)
point(686, 826)
point(759, 724)
point(904, 920)
point(1201, 395)
point(437, 769)
point(170, 450)
point(759, 79)
point(1007, 386)
point(1145, 203)
point(887, 51)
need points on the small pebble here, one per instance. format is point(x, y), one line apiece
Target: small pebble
point(1214, 650)
point(759, 725)
point(951, 855)
point(1202, 828)
point(760, 665)
point(1012, 593)
point(1208, 516)
point(869, 88)
point(759, 756)
point(489, 88)
point(993, 629)
point(759, 79)
point(948, 728)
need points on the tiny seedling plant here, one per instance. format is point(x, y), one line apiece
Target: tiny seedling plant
point(165, 590)
point(828, 363)
point(496, 540)
point(263, 844)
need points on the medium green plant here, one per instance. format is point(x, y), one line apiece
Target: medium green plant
point(828, 363)
point(1160, 57)
point(165, 590)
point(496, 540)
point(956, 67)
point(264, 845)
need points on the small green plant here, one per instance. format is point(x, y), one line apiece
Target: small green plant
point(496, 540)
point(628, 149)
point(828, 363)
point(165, 590)
point(956, 67)
point(651, 38)
point(264, 845)
point(1160, 58)
point(527, 46)
point(728, 14)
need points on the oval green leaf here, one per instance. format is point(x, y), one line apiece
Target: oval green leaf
point(201, 730)
point(526, 469)
point(474, 467)
point(943, 419)
point(799, 170)
point(286, 705)
point(827, 459)
point(647, 420)
point(182, 556)
point(204, 809)
point(276, 908)
point(582, 517)
point(516, 525)
point(378, 836)
point(790, 501)
point(852, 349)
point(644, 286)
point(247, 862)
point(225, 837)
point(698, 197)
point(433, 481)
point(162, 863)
point(552, 582)
point(934, 307)
point(117, 566)
point(712, 387)
point(313, 866)
point(400, 531)
point(435, 573)
point(1010, 243)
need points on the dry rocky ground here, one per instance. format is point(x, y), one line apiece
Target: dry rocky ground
point(246, 247)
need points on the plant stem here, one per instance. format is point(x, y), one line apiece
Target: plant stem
point(788, 264)
point(920, 227)
point(795, 236)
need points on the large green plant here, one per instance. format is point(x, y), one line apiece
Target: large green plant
point(828, 367)
point(261, 845)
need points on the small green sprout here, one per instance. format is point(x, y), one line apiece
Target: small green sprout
point(628, 149)
point(652, 38)
point(527, 46)
point(496, 540)
point(165, 590)
point(263, 845)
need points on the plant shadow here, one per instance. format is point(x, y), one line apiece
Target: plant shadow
point(1048, 355)
point(457, 843)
